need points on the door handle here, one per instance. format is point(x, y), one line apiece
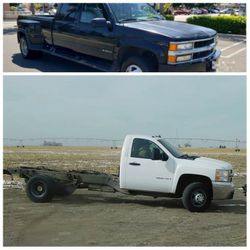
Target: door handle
point(134, 164)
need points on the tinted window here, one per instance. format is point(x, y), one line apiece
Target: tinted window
point(91, 11)
point(134, 12)
point(68, 12)
point(142, 148)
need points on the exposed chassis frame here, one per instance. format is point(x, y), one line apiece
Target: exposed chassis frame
point(80, 179)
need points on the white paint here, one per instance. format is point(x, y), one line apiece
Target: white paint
point(233, 54)
point(233, 45)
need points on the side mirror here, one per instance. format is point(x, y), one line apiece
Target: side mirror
point(99, 22)
point(164, 157)
point(158, 156)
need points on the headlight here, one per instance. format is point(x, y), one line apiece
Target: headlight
point(174, 59)
point(181, 46)
point(184, 46)
point(184, 58)
point(222, 175)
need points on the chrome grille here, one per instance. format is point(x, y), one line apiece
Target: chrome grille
point(202, 49)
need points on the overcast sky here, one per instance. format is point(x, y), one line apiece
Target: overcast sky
point(113, 106)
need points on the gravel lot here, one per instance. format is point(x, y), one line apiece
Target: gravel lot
point(89, 218)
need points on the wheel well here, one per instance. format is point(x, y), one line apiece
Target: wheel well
point(127, 52)
point(186, 179)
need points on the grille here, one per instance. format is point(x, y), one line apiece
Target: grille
point(202, 54)
point(202, 49)
point(204, 43)
point(231, 175)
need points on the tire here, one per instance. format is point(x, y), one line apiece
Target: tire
point(65, 190)
point(40, 188)
point(196, 197)
point(210, 67)
point(26, 52)
point(138, 64)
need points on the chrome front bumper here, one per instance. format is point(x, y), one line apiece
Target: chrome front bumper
point(197, 51)
point(223, 190)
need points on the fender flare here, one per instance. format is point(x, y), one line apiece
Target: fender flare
point(137, 44)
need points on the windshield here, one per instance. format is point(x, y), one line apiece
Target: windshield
point(173, 150)
point(134, 12)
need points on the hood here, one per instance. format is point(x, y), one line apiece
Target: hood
point(174, 30)
point(208, 162)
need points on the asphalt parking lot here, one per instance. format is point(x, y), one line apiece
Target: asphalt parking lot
point(233, 58)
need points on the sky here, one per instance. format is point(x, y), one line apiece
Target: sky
point(112, 106)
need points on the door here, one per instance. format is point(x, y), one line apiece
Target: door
point(146, 172)
point(95, 41)
point(64, 26)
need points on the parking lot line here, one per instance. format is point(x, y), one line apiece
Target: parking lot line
point(233, 45)
point(233, 54)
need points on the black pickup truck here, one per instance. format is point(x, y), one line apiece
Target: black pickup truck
point(126, 37)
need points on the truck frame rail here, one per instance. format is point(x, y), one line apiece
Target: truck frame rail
point(79, 179)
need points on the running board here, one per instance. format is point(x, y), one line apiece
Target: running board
point(89, 61)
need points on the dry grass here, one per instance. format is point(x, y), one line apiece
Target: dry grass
point(64, 158)
point(94, 158)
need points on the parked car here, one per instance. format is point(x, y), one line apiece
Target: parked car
point(227, 11)
point(182, 12)
point(204, 11)
point(196, 11)
point(213, 10)
point(150, 166)
point(127, 37)
point(236, 12)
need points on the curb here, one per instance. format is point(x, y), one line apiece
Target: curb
point(233, 36)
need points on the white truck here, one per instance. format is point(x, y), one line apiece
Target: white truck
point(149, 165)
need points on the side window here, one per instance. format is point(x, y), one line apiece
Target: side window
point(142, 148)
point(68, 12)
point(91, 11)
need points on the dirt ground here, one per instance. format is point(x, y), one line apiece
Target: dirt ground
point(89, 218)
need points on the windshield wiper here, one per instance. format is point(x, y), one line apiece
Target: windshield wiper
point(155, 17)
point(184, 156)
point(189, 157)
point(140, 19)
point(129, 20)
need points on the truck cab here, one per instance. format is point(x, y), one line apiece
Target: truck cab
point(153, 165)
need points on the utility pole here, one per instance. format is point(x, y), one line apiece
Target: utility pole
point(237, 149)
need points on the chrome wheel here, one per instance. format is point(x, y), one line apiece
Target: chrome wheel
point(133, 68)
point(24, 47)
point(38, 189)
point(198, 198)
